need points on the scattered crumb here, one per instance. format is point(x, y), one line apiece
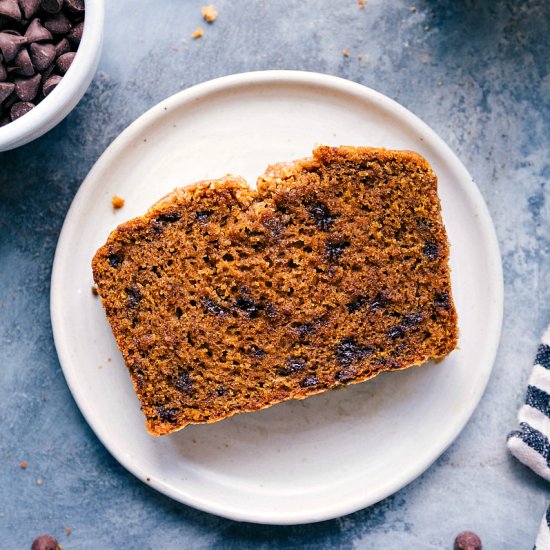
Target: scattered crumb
point(345, 53)
point(109, 359)
point(118, 202)
point(440, 82)
point(148, 480)
point(194, 440)
point(39, 481)
point(361, 3)
point(226, 445)
point(24, 465)
point(68, 530)
point(412, 9)
point(427, 28)
point(94, 290)
point(198, 33)
point(100, 366)
point(209, 13)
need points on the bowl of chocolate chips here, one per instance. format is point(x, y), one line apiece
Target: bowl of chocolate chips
point(49, 52)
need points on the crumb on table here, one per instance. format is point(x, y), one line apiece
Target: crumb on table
point(345, 53)
point(118, 202)
point(209, 13)
point(198, 33)
point(39, 481)
point(361, 3)
point(94, 290)
point(24, 465)
point(68, 530)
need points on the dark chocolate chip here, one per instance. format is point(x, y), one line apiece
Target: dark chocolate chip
point(167, 414)
point(75, 6)
point(335, 248)
point(379, 302)
point(213, 307)
point(58, 24)
point(10, 9)
point(20, 109)
point(62, 47)
point(357, 304)
point(36, 32)
point(64, 62)
point(248, 305)
point(256, 352)
point(431, 250)
point(411, 319)
point(467, 541)
point(309, 382)
point(3, 73)
point(45, 542)
point(42, 55)
point(116, 259)
point(52, 6)
point(183, 382)
point(75, 36)
point(6, 88)
point(396, 332)
point(23, 63)
point(273, 224)
point(29, 7)
point(293, 365)
point(27, 88)
point(345, 375)
point(321, 216)
point(220, 391)
point(10, 44)
point(134, 296)
point(442, 301)
point(304, 329)
point(50, 84)
point(203, 217)
point(167, 217)
point(348, 351)
point(5, 120)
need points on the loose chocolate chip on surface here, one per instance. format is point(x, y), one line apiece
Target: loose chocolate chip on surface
point(309, 382)
point(52, 6)
point(23, 63)
point(10, 8)
point(36, 32)
point(27, 88)
point(75, 36)
point(467, 541)
point(45, 542)
point(6, 88)
point(29, 7)
point(20, 109)
point(65, 61)
point(50, 84)
point(42, 55)
point(58, 24)
point(10, 44)
point(62, 47)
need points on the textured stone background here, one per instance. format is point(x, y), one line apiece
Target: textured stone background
point(477, 71)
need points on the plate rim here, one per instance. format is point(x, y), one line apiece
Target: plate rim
point(495, 277)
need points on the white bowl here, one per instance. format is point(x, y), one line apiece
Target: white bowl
point(59, 103)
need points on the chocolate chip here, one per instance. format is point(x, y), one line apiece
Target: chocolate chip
point(75, 36)
point(10, 9)
point(10, 44)
point(304, 329)
point(442, 301)
point(20, 109)
point(467, 541)
point(167, 414)
point(321, 215)
point(75, 6)
point(29, 7)
point(116, 259)
point(345, 375)
point(167, 217)
point(256, 353)
point(379, 302)
point(52, 6)
point(248, 305)
point(58, 24)
point(36, 32)
point(220, 391)
point(204, 216)
point(6, 88)
point(183, 382)
point(23, 63)
point(5, 120)
point(395, 332)
point(431, 250)
point(411, 319)
point(309, 382)
point(273, 224)
point(50, 84)
point(357, 304)
point(292, 366)
point(42, 55)
point(3, 73)
point(45, 542)
point(62, 47)
point(134, 296)
point(213, 307)
point(348, 351)
point(335, 248)
point(27, 88)
point(65, 61)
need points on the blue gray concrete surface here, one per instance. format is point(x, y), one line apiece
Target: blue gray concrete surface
point(477, 71)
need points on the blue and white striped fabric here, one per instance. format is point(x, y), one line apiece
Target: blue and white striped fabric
point(531, 443)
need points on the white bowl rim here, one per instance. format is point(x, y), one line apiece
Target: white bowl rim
point(495, 276)
point(50, 111)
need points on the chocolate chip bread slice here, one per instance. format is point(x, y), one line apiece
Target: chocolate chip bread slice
point(225, 299)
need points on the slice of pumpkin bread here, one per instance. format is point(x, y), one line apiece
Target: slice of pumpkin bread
point(225, 299)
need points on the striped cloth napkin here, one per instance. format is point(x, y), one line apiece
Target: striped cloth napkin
point(531, 443)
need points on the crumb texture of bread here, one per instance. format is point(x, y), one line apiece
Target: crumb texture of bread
point(224, 299)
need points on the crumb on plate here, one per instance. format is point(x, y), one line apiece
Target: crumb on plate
point(209, 13)
point(198, 33)
point(118, 202)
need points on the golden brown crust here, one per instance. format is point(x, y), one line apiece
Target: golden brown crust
point(225, 299)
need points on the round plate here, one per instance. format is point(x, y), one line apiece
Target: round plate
point(300, 461)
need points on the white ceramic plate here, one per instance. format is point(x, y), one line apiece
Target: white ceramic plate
point(301, 461)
